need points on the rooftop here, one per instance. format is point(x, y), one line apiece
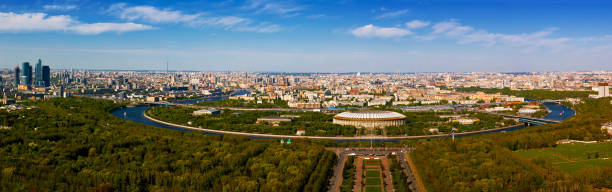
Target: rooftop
point(370, 115)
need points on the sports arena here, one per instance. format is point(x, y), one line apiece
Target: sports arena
point(369, 119)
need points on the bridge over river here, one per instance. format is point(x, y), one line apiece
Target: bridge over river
point(530, 121)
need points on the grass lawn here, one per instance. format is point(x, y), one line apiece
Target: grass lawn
point(373, 189)
point(372, 173)
point(373, 181)
point(574, 156)
point(372, 162)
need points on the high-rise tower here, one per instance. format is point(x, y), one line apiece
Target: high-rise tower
point(26, 74)
point(17, 71)
point(38, 75)
point(46, 76)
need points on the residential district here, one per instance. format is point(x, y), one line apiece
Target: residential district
point(410, 92)
point(299, 90)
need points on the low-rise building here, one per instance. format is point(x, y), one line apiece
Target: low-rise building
point(377, 102)
point(208, 111)
point(275, 121)
point(402, 102)
point(152, 99)
point(465, 121)
point(304, 105)
point(496, 109)
point(300, 132)
point(526, 111)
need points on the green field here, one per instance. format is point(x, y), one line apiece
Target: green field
point(372, 173)
point(371, 162)
point(574, 156)
point(373, 189)
point(373, 181)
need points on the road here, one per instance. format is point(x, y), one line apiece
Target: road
point(343, 153)
point(341, 138)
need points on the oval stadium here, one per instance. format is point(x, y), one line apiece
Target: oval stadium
point(369, 119)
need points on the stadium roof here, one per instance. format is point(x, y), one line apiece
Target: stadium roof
point(370, 115)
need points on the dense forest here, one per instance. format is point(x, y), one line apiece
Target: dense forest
point(488, 163)
point(77, 145)
point(313, 123)
point(275, 103)
point(348, 175)
point(539, 94)
point(400, 183)
point(419, 123)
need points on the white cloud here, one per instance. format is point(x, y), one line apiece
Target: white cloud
point(262, 28)
point(156, 15)
point(459, 30)
point(375, 31)
point(392, 14)
point(444, 26)
point(488, 39)
point(36, 22)
point(467, 34)
point(226, 22)
point(595, 38)
point(97, 28)
point(59, 7)
point(152, 14)
point(284, 8)
point(14, 22)
point(415, 24)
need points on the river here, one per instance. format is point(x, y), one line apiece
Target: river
point(558, 111)
point(136, 114)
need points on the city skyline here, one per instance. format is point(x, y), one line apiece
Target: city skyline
point(296, 36)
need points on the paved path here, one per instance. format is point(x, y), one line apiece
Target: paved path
point(387, 173)
point(358, 175)
point(336, 180)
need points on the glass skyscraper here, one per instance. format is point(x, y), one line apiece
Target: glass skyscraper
point(46, 76)
point(26, 74)
point(38, 76)
point(17, 75)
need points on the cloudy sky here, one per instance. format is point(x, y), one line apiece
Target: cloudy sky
point(309, 36)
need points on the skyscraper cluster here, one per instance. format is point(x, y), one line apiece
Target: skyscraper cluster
point(40, 77)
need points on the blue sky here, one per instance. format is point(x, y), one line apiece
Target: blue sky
point(309, 36)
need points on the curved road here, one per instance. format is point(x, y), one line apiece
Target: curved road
point(363, 138)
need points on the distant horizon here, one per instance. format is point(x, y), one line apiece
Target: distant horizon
point(294, 72)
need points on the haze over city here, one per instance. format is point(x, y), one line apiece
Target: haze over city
point(309, 36)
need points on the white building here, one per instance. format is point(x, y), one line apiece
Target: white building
point(495, 109)
point(208, 111)
point(376, 102)
point(468, 102)
point(402, 102)
point(603, 90)
point(300, 132)
point(465, 121)
point(370, 119)
point(526, 111)
point(515, 99)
